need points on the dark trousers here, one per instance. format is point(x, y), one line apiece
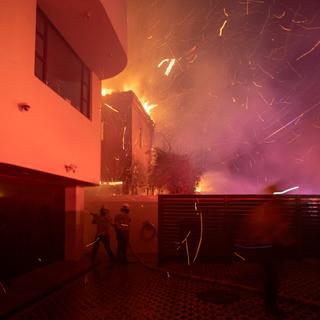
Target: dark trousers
point(106, 242)
point(123, 240)
point(270, 267)
point(268, 259)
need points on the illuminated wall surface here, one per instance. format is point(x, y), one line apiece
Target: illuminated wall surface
point(126, 140)
point(242, 97)
point(52, 133)
point(47, 143)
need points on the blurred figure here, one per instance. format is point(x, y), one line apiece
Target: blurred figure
point(103, 222)
point(122, 224)
point(262, 234)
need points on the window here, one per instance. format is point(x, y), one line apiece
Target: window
point(57, 65)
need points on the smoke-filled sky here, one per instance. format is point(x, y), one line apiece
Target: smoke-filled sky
point(243, 97)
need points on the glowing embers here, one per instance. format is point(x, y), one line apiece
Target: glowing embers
point(147, 106)
point(171, 63)
point(115, 183)
point(105, 91)
point(286, 191)
point(112, 183)
point(222, 27)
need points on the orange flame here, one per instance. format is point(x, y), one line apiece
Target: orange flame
point(144, 102)
point(147, 106)
point(105, 91)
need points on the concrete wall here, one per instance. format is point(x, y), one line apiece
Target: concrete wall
point(52, 133)
point(143, 208)
point(142, 137)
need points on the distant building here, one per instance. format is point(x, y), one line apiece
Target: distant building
point(53, 57)
point(126, 142)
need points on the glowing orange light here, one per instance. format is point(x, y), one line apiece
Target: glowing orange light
point(147, 106)
point(199, 187)
point(126, 87)
point(105, 91)
point(115, 183)
point(112, 183)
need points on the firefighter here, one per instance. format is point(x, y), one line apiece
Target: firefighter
point(103, 222)
point(122, 225)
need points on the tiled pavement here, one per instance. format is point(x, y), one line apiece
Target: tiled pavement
point(137, 292)
point(299, 279)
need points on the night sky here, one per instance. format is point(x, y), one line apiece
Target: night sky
point(243, 97)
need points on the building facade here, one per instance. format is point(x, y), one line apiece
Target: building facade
point(126, 142)
point(53, 57)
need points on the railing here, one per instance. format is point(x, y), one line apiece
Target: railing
point(220, 215)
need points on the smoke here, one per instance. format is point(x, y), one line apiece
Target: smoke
point(243, 103)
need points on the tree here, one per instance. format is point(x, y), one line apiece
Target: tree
point(173, 172)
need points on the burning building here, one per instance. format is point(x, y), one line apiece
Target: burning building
point(55, 54)
point(126, 142)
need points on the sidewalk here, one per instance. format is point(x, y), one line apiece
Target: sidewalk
point(24, 290)
point(300, 280)
point(134, 292)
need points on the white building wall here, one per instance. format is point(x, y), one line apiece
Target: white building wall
point(52, 133)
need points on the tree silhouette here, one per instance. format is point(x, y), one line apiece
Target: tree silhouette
point(173, 173)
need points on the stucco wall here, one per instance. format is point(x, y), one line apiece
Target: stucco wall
point(141, 153)
point(52, 133)
point(143, 208)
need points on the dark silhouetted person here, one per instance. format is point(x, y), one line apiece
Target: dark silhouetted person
point(122, 224)
point(103, 222)
point(264, 232)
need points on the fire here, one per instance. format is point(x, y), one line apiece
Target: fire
point(105, 91)
point(200, 186)
point(147, 106)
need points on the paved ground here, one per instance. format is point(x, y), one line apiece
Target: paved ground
point(299, 279)
point(135, 292)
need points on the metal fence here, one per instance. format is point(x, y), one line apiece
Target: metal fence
point(180, 216)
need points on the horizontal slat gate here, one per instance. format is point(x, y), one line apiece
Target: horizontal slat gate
point(221, 214)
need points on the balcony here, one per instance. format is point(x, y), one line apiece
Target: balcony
point(95, 29)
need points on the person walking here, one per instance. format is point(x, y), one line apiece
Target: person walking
point(103, 222)
point(263, 236)
point(122, 225)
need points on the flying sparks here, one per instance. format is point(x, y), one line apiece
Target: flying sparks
point(222, 27)
point(171, 63)
point(308, 52)
point(123, 137)
point(111, 108)
point(285, 191)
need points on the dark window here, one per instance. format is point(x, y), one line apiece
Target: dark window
point(57, 65)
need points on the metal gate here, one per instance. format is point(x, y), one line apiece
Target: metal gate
point(181, 216)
